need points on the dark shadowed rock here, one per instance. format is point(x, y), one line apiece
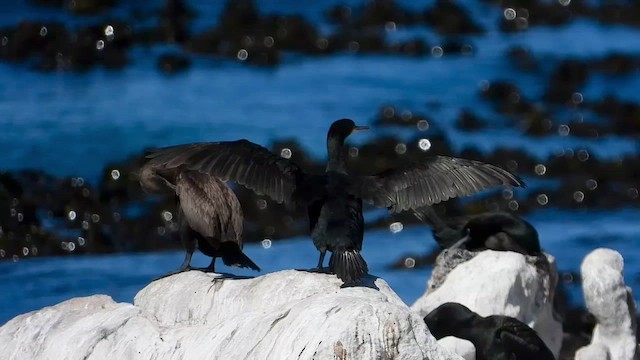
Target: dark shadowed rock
point(449, 18)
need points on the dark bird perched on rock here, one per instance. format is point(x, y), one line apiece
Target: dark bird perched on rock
point(334, 199)
point(495, 337)
point(209, 214)
point(491, 230)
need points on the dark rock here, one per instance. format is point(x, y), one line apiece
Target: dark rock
point(506, 97)
point(449, 18)
point(623, 116)
point(173, 63)
point(468, 121)
point(568, 77)
point(617, 64)
point(79, 7)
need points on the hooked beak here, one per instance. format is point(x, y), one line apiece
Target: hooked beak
point(360, 128)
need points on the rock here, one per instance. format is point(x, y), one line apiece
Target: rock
point(495, 283)
point(447, 17)
point(612, 304)
point(283, 315)
point(173, 63)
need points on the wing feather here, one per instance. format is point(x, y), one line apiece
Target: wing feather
point(429, 182)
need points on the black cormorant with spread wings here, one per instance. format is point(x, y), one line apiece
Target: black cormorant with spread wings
point(495, 337)
point(209, 214)
point(334, 199)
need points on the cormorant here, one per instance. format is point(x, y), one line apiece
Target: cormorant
point(334, 199)
point(209, 214)
point(495, 337)
point(500, 231)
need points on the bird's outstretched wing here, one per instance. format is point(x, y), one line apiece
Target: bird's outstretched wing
point(430, 182)
point(522, 341)
point(241, 161)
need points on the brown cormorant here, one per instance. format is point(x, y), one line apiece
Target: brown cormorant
point(495, 337)
point(209, 214)
point(499, 231)
point(334, 199)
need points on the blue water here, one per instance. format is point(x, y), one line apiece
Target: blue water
point(73, 124)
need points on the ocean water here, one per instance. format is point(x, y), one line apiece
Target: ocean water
point(73, 124)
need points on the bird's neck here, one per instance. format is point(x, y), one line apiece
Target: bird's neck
point(467, 332)
point(336, 161)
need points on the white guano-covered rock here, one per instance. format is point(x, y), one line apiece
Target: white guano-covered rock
point(612, 304)
point(284, 315)
point(495, 283)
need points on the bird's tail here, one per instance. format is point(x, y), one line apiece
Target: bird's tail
point(348, 265)
point(232, 255)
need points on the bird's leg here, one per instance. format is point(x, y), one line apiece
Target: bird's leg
point(189, 242)
point(320, 261)
point(211, 268)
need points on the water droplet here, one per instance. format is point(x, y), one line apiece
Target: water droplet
point(424, 144)
point(161, 230)
point(71, 215)
point(13, 212)
point(71, 246)
point(354, 151)
point(167, 215)
point(401, 148)
point(578, 196)
point(20, 217)
point(513, 205)
point(242, 54)
point(108, 30)
point(563, 130)
point(269, 41)
point(85, 225)
point(591, 184)
point(25, 251)
point(564, 2)
point(262, 204)
point(540, 169)
point(322, 43)
point(583, 155)
point(406, 115)
point(81, 241)
point(115, 174)
point(5, 41)
point(286, 153)
point(15, 258)
point(396, 227)
point(437, 51)
point(388, 112)
point(507, 194)
point(542, 199)
point(2, 253)
point(409, 263)
point(86, 192)
point(100, 44)
point(34, 251)
point(353, 46)
point(266, 243)
point(484, 85)
point(422, 125)
point(116, 217)
point(577, 98)
point(95, 218)
point(390, 26)
point(509, 14)
point(64, 245)
point(43, 31)
point(632, 193)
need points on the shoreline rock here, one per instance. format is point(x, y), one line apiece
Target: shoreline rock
point(195, 315)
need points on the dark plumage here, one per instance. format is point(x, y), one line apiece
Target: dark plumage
point(209, 213)
point(495, 337)
point(334, 199)
point(492, 230)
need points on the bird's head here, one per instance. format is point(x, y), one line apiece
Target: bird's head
point(341, 129)
point(447, 319)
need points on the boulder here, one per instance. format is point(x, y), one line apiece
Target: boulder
point(495, 283)
point(282, 315)
point(613, 306)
